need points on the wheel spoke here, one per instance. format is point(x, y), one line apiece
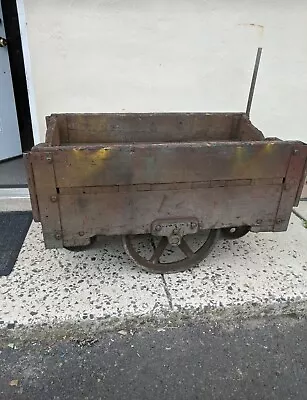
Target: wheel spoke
point(184, 247)
point(159, 250)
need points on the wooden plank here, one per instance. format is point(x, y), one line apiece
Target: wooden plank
point(168, 186)
point(157, 127)
point(168, 163)
point(247, 131)
point(47, 198)
point(295, 173)
point(56, 133)
point(304, 191)
point(31, 187)
point(133, 212)
point(299, 193)
point(52, 133)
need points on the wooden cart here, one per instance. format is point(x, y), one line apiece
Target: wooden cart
point(168, 177)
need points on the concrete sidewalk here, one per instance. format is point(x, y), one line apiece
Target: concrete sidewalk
point(100, 287)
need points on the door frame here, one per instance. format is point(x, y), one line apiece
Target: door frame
point(14, 20)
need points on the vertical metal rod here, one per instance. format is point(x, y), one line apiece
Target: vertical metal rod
point(253, 82)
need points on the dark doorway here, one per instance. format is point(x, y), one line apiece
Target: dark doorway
point(11, 24)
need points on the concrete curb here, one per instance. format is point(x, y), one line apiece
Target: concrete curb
point(159, 319)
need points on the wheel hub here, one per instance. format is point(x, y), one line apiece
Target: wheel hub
point(160, 251)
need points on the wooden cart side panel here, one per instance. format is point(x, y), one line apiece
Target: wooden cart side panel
point(168, 163)
point(52, 133)
point(292, 182)
point(247, 131)
point(133, 212)
point(302, 183)
point(31, 186)
point(164, 127)
point(47, 197)
point(56, 130)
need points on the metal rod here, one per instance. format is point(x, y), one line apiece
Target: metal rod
point(253, 82)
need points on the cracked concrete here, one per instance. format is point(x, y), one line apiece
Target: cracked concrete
point(167, 292)
point(263, 273)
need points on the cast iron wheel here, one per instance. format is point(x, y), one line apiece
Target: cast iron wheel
point(163, 251)
point(235, 232)
point(81, 248)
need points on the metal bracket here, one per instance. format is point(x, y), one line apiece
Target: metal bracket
point(174, 229)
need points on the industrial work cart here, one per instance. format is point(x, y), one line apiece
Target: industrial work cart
point(176, 180)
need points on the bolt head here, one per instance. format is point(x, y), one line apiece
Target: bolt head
point(295, 151)
point(81, 233)
point(174, 240)
point(259, 221)
point(49, 159)
point(58, 236)
point(53, 199)
point(158, 228)
point(193, 225)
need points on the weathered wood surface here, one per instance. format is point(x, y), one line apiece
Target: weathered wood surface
point(165, 163)
point(47, 197)
point(117, 173)
point(123, 128)
point(32, 187)
point(291, 188)
point(145, 127)
point(134, 212)
point(247, 131)
point(54, 130)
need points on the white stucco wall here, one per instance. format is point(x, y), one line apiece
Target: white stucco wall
point(166, 55)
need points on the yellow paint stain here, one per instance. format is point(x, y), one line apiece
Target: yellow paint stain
point(239, 160)
point(101, 154)
point(240, 153)
point(243, 159)
point(92, 162)
point(269, 148)
point(96, 156)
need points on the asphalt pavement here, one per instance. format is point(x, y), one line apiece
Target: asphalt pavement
point(253, 359)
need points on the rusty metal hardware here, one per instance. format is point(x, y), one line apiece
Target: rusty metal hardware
point(164, 258)
point(3, 42)
point(174, 229)
point(235, 232)
point(253, 82)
